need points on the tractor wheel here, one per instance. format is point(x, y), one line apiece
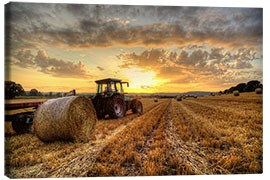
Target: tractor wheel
point(116, 107)
point(136, 106)
point(20, 126)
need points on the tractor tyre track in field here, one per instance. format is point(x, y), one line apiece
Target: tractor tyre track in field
point(228, 134)
point(227, 110)
point(78, 164)
point(209, 113)
point(211, 129)
point(243, 98)
point(150, 138)
point(188, 154)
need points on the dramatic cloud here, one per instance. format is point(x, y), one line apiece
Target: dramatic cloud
point(192, 46)
point(152, 58)
point(51, 66)
point(105, 26)
point(191, 66)
point(25, 59)
point(242, 65)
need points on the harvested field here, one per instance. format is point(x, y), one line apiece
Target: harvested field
point(207, 135)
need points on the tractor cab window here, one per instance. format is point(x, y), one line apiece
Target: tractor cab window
point(119, 87)
point(107, 88)
point(103, 88)
point(113, 88)
point(99, 89)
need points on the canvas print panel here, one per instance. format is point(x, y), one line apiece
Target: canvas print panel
point(119, 90)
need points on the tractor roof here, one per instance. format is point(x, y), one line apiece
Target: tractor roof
point(108, 80)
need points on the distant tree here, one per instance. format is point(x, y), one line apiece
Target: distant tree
point(240, 87)
point(12, 89)
point(231, 89)
point(40, 93)
point(34, 92)
point(58, 94)
point(249, 88)
point(252, 85)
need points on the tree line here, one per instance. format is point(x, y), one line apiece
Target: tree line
point(244, 87)
point(13, 89)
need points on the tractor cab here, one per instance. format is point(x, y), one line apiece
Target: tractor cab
point(109, 87)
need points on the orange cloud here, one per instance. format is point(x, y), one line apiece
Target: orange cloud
point(51, 66)
point(194, 66)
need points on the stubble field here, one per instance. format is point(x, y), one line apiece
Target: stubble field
point(207, 135)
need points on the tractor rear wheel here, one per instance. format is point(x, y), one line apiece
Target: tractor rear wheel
point(116, 107)
point(136, 106)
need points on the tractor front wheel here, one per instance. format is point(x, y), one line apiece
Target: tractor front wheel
point(116, 107)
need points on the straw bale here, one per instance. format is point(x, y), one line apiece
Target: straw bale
point(236, 93)
point(155, 100)
point(258, 91)
point(67, 118)
point(179, 98)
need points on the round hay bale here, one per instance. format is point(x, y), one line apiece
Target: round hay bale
point(179, 98)
point(155, 100)
point(68, 118)
point(258, 91)
point(236, 93)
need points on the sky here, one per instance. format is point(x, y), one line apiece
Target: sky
point(60, 47)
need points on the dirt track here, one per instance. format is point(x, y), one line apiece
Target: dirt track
point(201, 136)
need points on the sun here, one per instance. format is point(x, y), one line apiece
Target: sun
point(141, 80)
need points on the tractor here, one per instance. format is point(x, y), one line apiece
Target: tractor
point(110, 99)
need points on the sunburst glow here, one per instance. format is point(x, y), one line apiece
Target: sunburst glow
point(140, 79)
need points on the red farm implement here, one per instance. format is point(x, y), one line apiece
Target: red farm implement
point(21, 114)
